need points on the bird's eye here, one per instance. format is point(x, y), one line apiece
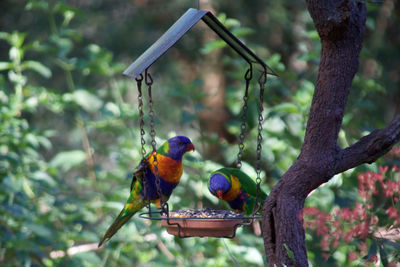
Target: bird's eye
point(180, 143)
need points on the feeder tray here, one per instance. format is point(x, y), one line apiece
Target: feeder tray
point(202, 223)
point(206, 222)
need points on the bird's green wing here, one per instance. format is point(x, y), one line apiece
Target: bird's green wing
point(248, 184)
point(138, 173)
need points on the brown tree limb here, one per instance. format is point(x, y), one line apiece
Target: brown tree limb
point(341, 25)
point(369, 148)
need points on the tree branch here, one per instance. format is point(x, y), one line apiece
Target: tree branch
point(369, 148)
point(341, 25)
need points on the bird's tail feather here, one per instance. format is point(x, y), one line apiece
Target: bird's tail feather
point(122, 218)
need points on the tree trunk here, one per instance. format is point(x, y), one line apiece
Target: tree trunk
point(341, 25)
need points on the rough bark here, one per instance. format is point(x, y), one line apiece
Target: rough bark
point(341, 25)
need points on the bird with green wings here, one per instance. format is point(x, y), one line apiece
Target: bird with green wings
point(236, 188)
point(169, 165)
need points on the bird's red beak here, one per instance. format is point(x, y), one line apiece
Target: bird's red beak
point(219, 194)
point(190, 147)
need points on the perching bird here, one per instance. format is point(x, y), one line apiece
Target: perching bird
point(236, 188)
point(169, 159)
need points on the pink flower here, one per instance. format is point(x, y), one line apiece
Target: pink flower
point(391, 212)
point(396, 168)
point(325, 243)
point(374, 220)
point(348, 237)
point(363, 248)
point(383, 170)
point(390, 188)
point(346, 214)
point(364, 229)
point(359, 212)
point(395, 151)
point(311, 211)
point(374, 258)
point(352, 256)
point(325, 256)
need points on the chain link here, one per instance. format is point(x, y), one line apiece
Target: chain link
point(139, 81)
point(149, 83)
point(248, 76)
point(141, 121)
point(261, 82)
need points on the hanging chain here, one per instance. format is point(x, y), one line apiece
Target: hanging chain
point(149, 82)
point(247, 77)
point(141, 121)
point(261, 82)
point(142, 141)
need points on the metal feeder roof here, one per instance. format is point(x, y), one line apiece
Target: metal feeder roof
point(178, 29)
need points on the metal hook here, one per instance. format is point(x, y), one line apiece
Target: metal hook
point(249, 73)
point(263, 78)
point(147, 78)
point(139, 78)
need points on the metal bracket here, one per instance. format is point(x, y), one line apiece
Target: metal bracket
point(179, 28)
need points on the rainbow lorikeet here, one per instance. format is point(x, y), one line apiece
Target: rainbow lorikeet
point(169, 159)
point(236, 188)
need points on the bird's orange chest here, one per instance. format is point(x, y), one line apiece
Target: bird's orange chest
point(168, 169)
point(234, 191)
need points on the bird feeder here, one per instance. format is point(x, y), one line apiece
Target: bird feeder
point(209, 222)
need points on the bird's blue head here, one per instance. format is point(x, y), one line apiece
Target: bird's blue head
point(179, 145)
point(219, 185)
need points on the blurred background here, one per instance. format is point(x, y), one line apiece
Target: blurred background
point(69, 132)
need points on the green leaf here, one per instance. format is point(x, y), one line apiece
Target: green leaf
point(38, 67)
point(289, 252)
point(230, 23)
point(113, 109)
point(11, 184)
point(395, 245)
point(39, 230)
point(384, 256)
point(36, 4)
point(4, 35)
point(86, 100)
point(43, 177)
point(68, 159)
point(5, 65)
point(373, 249)
point(286, 108)
point(16, 39)
point(65, 46)
point(32, 140)
point(242, 31)
point(26, 185)
point(211, 46)
point(15, 54)
point(89, 258)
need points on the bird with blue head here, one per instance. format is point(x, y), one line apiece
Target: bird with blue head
point(236, 188)
point(169, 171)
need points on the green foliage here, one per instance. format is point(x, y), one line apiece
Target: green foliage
point(69, 135)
